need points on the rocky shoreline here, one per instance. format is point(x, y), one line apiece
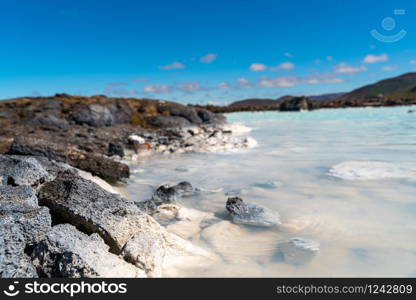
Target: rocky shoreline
point(60, 216)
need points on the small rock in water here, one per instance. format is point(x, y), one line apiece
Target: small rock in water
point(267, 185)
point(251, 214)
point(299, 251)
point(115, 149)
point(165, 194)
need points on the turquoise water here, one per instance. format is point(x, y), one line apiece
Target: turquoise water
point(364, 217)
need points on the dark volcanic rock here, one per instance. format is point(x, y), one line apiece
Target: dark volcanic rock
point(296, 104)
point(27, 171)
point(18, 205)
point(168, 121)
point(85, 205)
point(67, 252)
point(165, 194)
point(115, 149)
point(14, 263)
point(187, 112)
point(50, 120)
point(94, 163)
point(251, 214)
point(22, 224)
point(94, 115)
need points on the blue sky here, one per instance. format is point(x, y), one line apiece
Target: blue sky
point(200, 51)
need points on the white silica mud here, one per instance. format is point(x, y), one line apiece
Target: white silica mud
point(342, 182)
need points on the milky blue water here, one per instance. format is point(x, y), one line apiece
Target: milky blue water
point(345, 178)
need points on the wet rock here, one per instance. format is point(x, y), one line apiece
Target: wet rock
point(296, 104)
point(299, 251)
point(251, 214)
point(169, 194)
point(165, 194)
point(27, 171)
point(84, 204)
point(96, 164)
point(67, 252)
point(238, 245)
point(115, 149)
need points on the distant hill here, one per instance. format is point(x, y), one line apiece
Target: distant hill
point(260, 102)
point(326, 97)
point(403, 86)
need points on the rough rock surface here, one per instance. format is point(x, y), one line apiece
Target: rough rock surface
point(251, 214)
point(22, 224)
point(299, 251)
point(96, 164)
point(14, 263)
point(67, 252)
point(84, 204)
point(28, 171)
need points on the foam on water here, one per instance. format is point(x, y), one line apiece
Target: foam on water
point(369, 170)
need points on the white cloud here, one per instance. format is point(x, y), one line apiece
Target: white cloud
point(279, 82)
point(208, 58)
point(244, 82)
point(288, 54)
point(329, 58)
point(324, 78)
point(389, 68)
point(413, 62)
point(172, 66)
point(256, 67)
point(190, 86)
point(347, 69)
point(371, 58)
point(284, 66)
point(157, 88)
point(224, 85)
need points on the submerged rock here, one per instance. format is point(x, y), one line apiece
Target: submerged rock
point(251, 214)
point(267, 184)
point(165, 194)
point(67, 252)
point(299, 251)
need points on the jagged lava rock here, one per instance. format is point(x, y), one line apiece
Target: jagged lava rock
point(67, 252)
point(251, 214)
point(83, 203)
point(94, 163)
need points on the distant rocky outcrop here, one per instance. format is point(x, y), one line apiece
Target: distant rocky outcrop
point(296, 104)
